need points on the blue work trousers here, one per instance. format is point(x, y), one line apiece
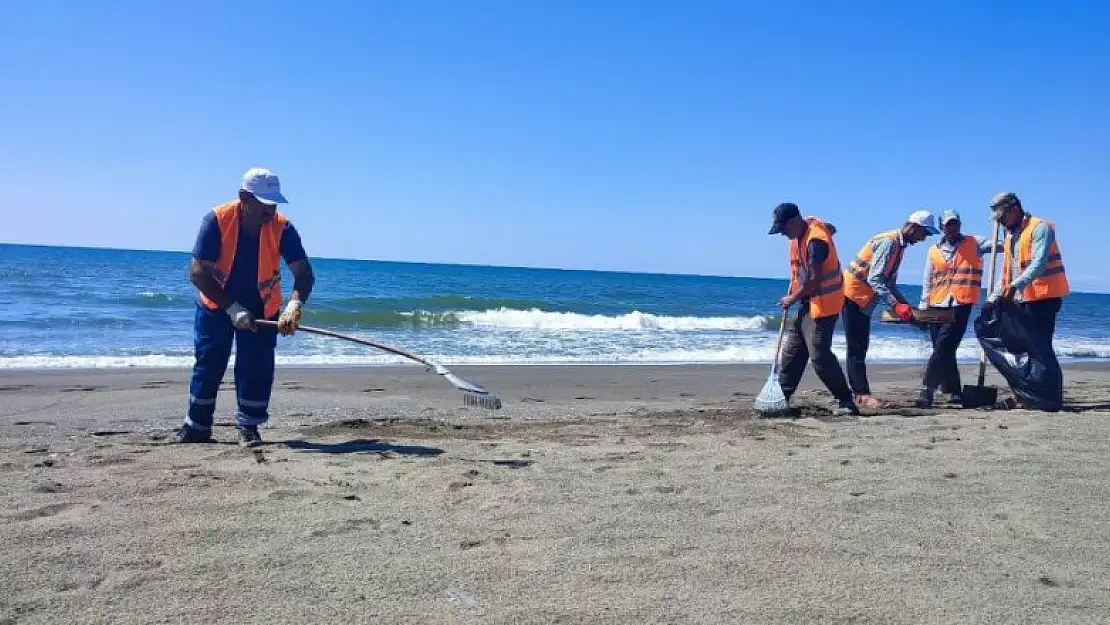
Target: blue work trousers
point(254, 369)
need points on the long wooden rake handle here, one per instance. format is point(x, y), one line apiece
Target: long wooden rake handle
point(990, 289)
point(778, 345)
point(354, 339)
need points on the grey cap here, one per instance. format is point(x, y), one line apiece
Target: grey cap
point(948, 215)
point(1004, 200)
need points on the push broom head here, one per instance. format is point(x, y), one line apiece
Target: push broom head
point(771, 400)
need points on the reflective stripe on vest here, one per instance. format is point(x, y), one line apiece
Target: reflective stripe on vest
point(855, 276)
point(1054, 281)
point(269, 256)
point(828, 298)
point(962, 278)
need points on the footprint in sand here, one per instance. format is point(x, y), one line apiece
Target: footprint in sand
point(288, 494)
point(52, 487)
point(346, 526)
point(41, 512)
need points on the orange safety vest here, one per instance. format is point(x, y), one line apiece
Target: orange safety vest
point(1053, 282)
point(855, 276)
point(828, 299)
point(269, 256)
point(962, 278)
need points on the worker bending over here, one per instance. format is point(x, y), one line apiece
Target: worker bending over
point(236, 269)
point(817, 286)
point(869, 279)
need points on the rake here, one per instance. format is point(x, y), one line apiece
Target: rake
point(473, 394)
point(771, 400)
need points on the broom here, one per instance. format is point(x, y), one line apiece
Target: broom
point(771, 399)
point(473, 394)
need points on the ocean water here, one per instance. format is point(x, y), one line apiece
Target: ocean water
point(76, 307)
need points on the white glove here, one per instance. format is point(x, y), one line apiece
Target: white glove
point(241, 318)
point(287, 322)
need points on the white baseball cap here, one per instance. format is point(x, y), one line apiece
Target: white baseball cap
point(948, 215)
point(264, 185)
point(925, 220)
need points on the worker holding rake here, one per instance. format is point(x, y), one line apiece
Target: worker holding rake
point(817, 286)
point(237, 272)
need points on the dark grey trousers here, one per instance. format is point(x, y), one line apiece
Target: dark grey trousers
point(809, 339)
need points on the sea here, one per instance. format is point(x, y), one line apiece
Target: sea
point(100, 308)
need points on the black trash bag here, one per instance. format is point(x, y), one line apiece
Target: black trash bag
point(1020, 347)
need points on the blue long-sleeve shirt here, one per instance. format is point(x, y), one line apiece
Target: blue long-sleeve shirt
point(948, 250)
point(885, 285)
point(1043, 238)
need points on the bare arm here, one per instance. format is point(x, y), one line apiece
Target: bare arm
point(202, 274)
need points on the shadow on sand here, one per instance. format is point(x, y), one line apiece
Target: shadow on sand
point(360, 446)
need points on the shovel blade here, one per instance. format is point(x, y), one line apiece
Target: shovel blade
point(979, 396)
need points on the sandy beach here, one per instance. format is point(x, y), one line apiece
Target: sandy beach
point(596, 495)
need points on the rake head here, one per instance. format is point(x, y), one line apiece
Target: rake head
point(771, 400)
point(473, 395)
point(488, 401)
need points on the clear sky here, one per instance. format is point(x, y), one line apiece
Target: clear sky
point(635, 135)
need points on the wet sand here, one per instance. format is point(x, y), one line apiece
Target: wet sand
point(596, 495)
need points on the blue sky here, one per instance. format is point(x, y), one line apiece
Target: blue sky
point(643, 136)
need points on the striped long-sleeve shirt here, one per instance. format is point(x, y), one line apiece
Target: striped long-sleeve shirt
point(948, 249)
point(885, 285)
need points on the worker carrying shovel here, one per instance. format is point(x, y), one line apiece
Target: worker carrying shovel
point(953, 280)
point(871, 278)
point(1018, 321)
point(817, 286)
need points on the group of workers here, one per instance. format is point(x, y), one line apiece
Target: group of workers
point(236, 268)
point(1033, 279)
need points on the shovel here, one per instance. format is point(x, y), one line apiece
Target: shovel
point(979, 395)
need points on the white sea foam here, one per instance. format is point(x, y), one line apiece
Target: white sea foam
point(536, 319)
point(883, 350)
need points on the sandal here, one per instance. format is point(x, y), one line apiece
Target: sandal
point(1007, 403)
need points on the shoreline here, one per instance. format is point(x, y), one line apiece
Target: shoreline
point(1080, 364)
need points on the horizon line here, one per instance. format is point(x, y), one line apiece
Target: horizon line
point(443, 264)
